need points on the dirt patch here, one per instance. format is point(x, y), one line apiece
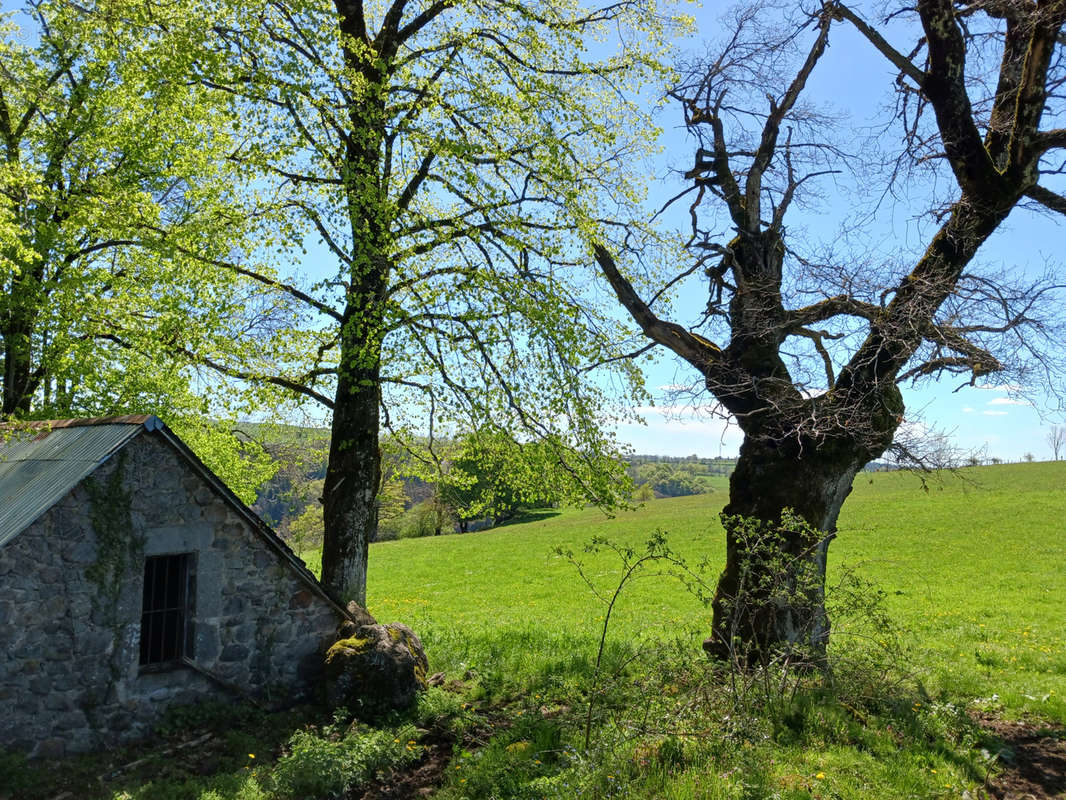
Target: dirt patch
point(418, 780)
point(426, 775)
point(1031, 762)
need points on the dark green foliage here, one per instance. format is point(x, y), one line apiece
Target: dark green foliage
point(515, 763)
point(669, 481)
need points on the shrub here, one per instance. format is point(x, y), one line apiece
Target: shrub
point(426, 519)
point(323, 766)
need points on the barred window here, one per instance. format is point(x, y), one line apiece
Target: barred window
point(166, 610)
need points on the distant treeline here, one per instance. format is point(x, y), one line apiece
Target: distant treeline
point(487, 480)
point(701, 466)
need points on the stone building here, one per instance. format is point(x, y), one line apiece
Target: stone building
point(132, 579)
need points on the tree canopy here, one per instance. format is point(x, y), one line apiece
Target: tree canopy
point(111, 168)
point(433, 161)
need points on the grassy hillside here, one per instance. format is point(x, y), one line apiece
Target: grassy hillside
point(976, 570)
point(974, 567)
point(973, 571)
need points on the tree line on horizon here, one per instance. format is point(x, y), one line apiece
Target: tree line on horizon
point(471, 490)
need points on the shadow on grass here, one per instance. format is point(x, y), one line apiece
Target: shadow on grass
point(525, 515)
point(668, 722)
point(196, 750)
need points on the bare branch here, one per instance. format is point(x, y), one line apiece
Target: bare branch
point(1048, 198)
point(900, 61)
point(695, 349)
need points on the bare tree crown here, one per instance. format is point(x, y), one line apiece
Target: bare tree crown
point(809, 348)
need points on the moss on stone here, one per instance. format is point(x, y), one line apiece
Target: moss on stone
point(116, 544)
point(353, 643)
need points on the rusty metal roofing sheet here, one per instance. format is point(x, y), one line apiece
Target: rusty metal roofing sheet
point(39, 466)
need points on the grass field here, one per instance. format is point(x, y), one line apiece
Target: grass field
point(974, 570)
point(971, 569)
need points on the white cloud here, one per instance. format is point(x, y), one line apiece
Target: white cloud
point(967, 410)
point(994, 413)
point(1007, 401)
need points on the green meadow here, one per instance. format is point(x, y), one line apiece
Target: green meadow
point(973, 566)
point(969, 569)
point(951, 617)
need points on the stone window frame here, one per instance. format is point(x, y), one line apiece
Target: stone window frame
point(178, 576)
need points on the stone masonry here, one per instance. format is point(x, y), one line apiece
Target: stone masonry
point(71, 602)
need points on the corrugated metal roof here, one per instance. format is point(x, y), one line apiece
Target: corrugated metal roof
point(40, 465)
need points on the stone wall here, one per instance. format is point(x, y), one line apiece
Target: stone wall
point(70, 607)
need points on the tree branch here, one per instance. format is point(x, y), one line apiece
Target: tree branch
point(1047, 198)
point(944, 84)
point(768, 143)
point(695, 349)
point(839, 305)
point(232, 372)
point(900, 61)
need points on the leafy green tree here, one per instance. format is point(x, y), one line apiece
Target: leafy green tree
point(669, 481)
point(805, 347)
point(431, 517)
point(490, 475)
point(304, 531)
point(109, 169)
point(438, 157)
point(644, 493)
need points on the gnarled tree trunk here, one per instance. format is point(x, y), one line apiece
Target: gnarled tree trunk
point(780, 519)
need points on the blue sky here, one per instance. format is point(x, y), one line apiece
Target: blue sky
point(996, 420)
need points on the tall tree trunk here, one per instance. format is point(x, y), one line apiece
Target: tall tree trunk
point(770, 598)
point(353, 474)
point(18, 365)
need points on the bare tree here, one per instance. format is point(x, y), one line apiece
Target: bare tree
point(1056, 437)
point(806, 351)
